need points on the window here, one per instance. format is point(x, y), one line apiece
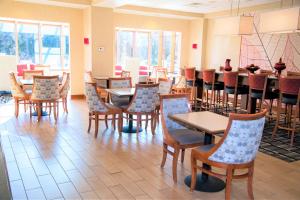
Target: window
point(28, 43)
point(167, 47)
point(7, 38)
point(36, 42)
point(154, 48)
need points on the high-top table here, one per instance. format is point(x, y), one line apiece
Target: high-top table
point(211, 123)
point(125, 92)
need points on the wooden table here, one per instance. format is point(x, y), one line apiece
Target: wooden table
point(125, 92)
point(211, 123)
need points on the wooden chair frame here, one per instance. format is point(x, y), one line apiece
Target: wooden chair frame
point(64, 100)
point(230, 168)
point(111, 111)
point(169, 141)
point(263, 92)
point(140, 114)
point(40, 72)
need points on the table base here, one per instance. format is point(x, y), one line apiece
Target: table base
point(212, 184)
point(44, 113)
point(128, 129)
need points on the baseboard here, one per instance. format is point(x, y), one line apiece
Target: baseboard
point(78, 96)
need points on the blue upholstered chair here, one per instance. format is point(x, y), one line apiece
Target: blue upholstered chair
point(175, 135)
point(236, 150)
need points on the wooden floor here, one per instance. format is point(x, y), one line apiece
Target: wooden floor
point(61, 161)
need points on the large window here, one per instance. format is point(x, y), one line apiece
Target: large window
point(36, 42)
point(152, 48)
point(7, 38)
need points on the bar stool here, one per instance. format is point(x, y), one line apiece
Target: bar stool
point(231, 86)
point(258, 90)
point(289, 95)
point(209, 84)
point(190, 80)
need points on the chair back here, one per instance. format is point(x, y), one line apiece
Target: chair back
point(230, 79)
point(144, 99)
point(44, 68)
point(289, 85)
point(94, 101)
point(170, 105)
point(289, 73)
point(16, 89)
point(45, 88)
point(65, 85)
point(190, 73)
point(165, 86)
point(88, 77)
point(125, 74)
point(241, 140)
point(28, 74)
point(208, 76)
point(257, 81)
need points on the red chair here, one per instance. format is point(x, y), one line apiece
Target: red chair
point(190, 80)
point(231, 87)
point(21, 68)
point(289, 95)
point(209, 84)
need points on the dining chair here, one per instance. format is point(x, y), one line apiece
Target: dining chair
point(258, 90)
point(45, 90)
point(28, 74)
point(98, 107)
point(235, 152)
point(143, 103)
point(231, 86)
point(119, 83)
point(44, 68)
point(125, 74)
point(20, 96)
point(209, 84)
point(289, 95)
point(190, 79)
point(175, 135)
point(157, 72)
point(64, 89)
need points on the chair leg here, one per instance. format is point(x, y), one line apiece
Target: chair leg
point(16, 107)
point(138, 123)
point(105, 120)
point(39, 109)
point(66, 105)
point(146, 123)
point(165, 152)
point(113, 121)
point(30, 110)
point(25, 105)
point(194, 173)
point(293, 126)
point(120, 123)
point(174, 164)
point(90, 121)
point(55, 111)
point(228, 183)
point(153, 123)
point(182, 155)
point(277, 119)
point(250, 183)
point(96, 124)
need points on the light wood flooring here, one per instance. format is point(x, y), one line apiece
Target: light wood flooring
point(61, 161)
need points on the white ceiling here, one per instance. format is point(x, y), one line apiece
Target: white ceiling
point(195, 6)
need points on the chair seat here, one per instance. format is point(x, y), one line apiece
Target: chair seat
point(289, 99)
point(205, 148)
point(269, 95)
point(122, 102)
point(217, 86)
point(113, 107)
point(187, 136)
point(243, 89)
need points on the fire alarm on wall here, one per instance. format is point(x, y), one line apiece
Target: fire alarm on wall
point(194, 46)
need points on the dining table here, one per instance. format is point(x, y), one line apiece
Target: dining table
point(211, 124)
point(125, 92)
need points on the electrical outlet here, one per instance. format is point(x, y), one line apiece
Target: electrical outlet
point(100, 49)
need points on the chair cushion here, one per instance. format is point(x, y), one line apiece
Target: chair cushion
point(112, 107)
point(243, 89)
point(205, 148)
point(187, 136)
point(289, 99)
point(269, 95)
point(217, 86)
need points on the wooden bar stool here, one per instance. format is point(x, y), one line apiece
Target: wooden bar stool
point(209, 84)
point(231, 86)
point(258, 90)
point(289, 95)
point(190, 80)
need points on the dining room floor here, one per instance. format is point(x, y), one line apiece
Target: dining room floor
point(61, 161)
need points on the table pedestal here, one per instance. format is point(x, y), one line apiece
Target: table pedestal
point(43, 113)
point(130, 128)
point(204, 182)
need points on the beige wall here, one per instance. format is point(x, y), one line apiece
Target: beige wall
point(74, 17)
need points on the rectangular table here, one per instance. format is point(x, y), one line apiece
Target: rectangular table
point(125, 92)
point(211, 123)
